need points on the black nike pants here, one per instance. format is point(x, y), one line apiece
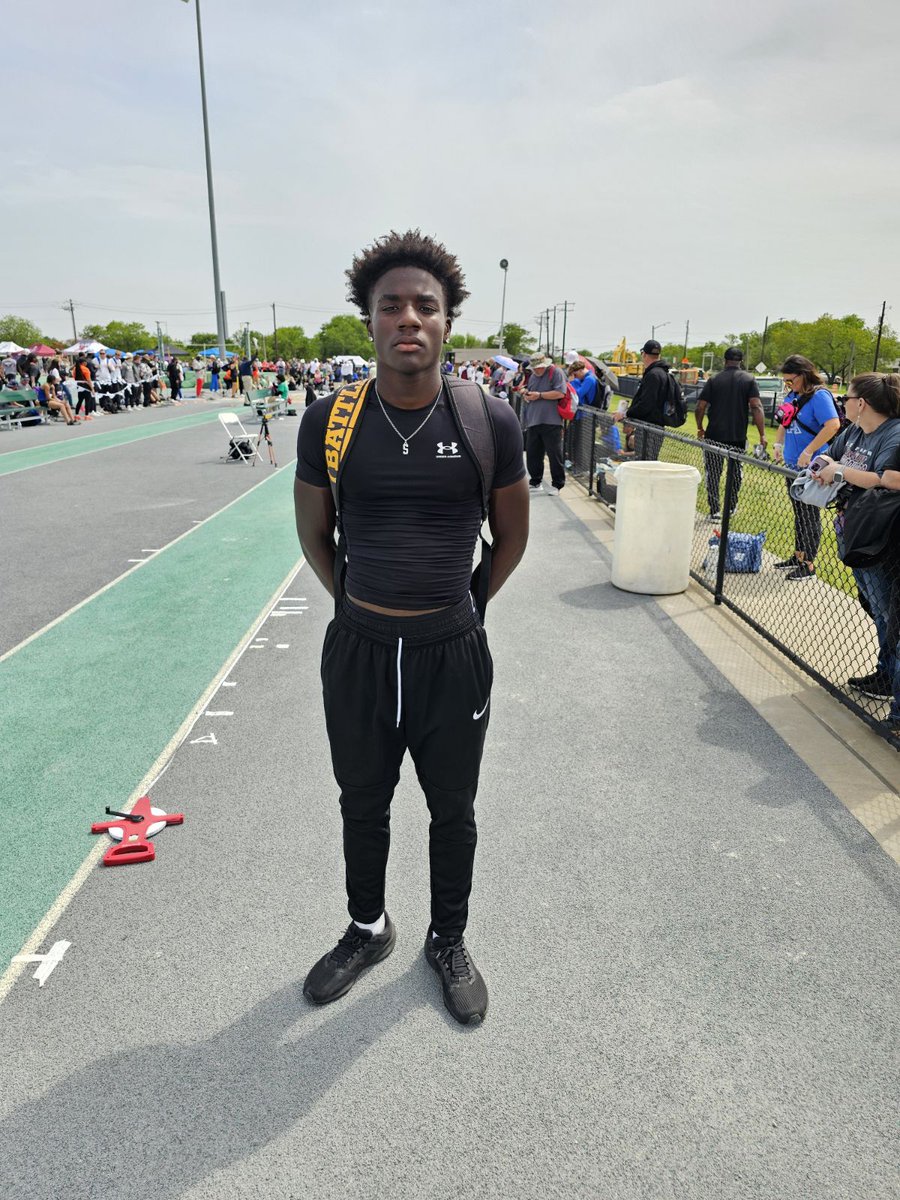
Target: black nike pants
point(421, 684)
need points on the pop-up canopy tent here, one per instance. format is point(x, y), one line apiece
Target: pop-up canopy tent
point(90, 347)
point(42, 351)
point(11, 348)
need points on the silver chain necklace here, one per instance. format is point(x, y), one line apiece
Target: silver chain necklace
point(407, 440)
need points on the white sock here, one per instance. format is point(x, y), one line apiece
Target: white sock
point(375, 928)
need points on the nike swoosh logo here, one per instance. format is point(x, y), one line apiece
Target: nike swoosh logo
point(475, 716)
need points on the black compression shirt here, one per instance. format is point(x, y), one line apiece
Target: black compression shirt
point(410, 520)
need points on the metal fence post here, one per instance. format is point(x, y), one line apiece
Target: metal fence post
point(593, 457)
point(730, 474)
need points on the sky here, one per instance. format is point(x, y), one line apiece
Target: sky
point(652, 163)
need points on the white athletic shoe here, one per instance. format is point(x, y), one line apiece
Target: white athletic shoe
point(536, 489)
point(554, 491)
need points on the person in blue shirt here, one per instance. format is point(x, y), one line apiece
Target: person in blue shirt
point(814, 423)
point(584, 381)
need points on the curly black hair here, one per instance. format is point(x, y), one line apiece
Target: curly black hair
point(410, 249)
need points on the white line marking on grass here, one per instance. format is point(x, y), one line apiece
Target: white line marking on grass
point(64, 899)
point(138, 562)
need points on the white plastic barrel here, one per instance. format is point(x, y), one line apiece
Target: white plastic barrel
point(655, 506)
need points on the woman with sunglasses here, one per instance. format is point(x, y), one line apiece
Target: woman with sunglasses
point(867, 450)
point(814, 423)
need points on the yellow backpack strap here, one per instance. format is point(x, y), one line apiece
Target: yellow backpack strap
point(345, 413)
point(346, 410)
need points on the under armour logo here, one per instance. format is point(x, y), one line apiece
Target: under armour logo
point(449, 448)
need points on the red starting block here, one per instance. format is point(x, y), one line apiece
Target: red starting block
point(132, 832)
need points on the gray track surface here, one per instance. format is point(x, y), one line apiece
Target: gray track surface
point(690, 946)
point(79, 521)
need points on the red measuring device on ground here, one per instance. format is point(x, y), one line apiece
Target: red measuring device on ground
point(132, 832)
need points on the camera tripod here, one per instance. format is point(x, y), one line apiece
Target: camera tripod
point(264, 433)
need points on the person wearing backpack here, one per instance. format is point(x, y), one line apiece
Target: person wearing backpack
point(728, 400)
point(405, 467)
point(810, 422)
point(649, 403)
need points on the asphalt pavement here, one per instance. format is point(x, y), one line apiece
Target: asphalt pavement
point(690, 944)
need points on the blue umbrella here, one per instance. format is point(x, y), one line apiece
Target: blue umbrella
point(509, 363)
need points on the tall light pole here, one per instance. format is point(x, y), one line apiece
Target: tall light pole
point(220, 322)
point(653, 328)
point(504, 263)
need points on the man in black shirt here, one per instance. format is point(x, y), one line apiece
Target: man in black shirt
point(729, 397)
point(406, 663)
point(649, 401)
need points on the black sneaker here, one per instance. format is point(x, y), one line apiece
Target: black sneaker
point(465, 992)
point(803, 570)
point(335, 974)
point(875, 685)
point(793, 561)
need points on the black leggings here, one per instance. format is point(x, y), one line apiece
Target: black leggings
point(422, 684)
point(807, 526)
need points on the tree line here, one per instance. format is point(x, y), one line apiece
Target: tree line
point(839, 346)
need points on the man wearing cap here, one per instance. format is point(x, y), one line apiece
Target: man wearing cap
point(649, 400)
point(543, 425)
point(728, 399)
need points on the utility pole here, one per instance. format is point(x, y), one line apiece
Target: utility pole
point(71, 308)
point(540, 320)
point(687, 330)
point(878, 339)
point(658, 325)
point(160, 345)
point(274, 328)
point(566, 305)
point(224, 314)
point(504, 264)
point(762, 349)
point(553, 347)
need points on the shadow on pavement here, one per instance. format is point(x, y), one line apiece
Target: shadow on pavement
point(155, 1121)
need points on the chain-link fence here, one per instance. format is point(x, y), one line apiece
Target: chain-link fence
point(771, 559)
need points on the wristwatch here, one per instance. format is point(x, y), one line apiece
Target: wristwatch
point(838, 476)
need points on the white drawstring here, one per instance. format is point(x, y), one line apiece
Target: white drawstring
point(399, 680)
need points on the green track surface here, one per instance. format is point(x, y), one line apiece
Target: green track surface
point(42, 456)
point(88, 707)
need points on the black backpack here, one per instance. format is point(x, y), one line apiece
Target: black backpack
point(674, 405)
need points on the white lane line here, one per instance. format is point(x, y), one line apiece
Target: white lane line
point(229, 683)
point(64, 899)
point(138, 562)
point(282, 645)
point(302, 608)
point(150, 551)
point(210, 713)
point(292, 599)
point(97, 449)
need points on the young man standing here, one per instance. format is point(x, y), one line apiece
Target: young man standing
point(406, 664)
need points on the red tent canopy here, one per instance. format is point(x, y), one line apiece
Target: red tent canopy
point(42, 351)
